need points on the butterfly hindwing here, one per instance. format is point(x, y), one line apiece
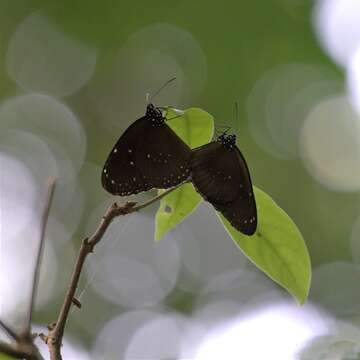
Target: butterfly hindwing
point(220, 174)
point(216, 173)
point(164, 158)
point(241, 214)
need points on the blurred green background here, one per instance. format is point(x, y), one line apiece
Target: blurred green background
point(74, 75)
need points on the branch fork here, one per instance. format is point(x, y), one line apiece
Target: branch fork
point(54, 338)
point(23, 346)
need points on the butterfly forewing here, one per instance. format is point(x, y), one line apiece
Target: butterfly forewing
point(216, 174)
point(148, 155)
point(120, 176)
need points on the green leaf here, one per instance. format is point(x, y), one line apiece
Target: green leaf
point(174, 208)
point(195, 127)
point(277, 247)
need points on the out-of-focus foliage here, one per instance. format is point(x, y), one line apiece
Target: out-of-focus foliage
point(74, 75)
point(5, 357)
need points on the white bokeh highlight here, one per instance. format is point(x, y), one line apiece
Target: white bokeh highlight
point(353, 80)
point(118, 94)
point(206, 249)
point(22, 187)
point(16, 183)
point(50, 120)
point(330, 144)
point(42, 58)
point(129, 268)
point(43, 162)
point(342, 342)
point(337, 26)
point(169, 336)
point(18, 258)
point(113, 338)
point(34, 152)
point(245, 287)
point(234, 294)
point(280, 101)
point(149, 57)
point(341, 276)
point(179, 43)
point(275, 332)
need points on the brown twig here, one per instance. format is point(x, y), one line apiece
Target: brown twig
point(55, 335)
point(23, 346)
point(20, 351)
point(12, 334)
point(35, 280)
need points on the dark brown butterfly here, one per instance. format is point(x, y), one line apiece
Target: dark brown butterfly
point(221, 176)
point(148, 155)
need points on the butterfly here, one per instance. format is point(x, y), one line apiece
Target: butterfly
point(220, 174)
point(147, 155)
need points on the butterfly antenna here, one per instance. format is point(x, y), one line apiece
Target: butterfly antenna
point(175, 117)
point(147, 98)
point(222, 126)
point(237, 117)
point(162, 87)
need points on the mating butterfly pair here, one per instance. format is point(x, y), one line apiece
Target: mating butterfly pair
point(150, 155)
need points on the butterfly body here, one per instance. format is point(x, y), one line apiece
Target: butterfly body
point(220, 174)
point(148, 155)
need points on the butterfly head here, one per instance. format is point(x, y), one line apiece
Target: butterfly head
point(229, 141)
point(154, 114)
